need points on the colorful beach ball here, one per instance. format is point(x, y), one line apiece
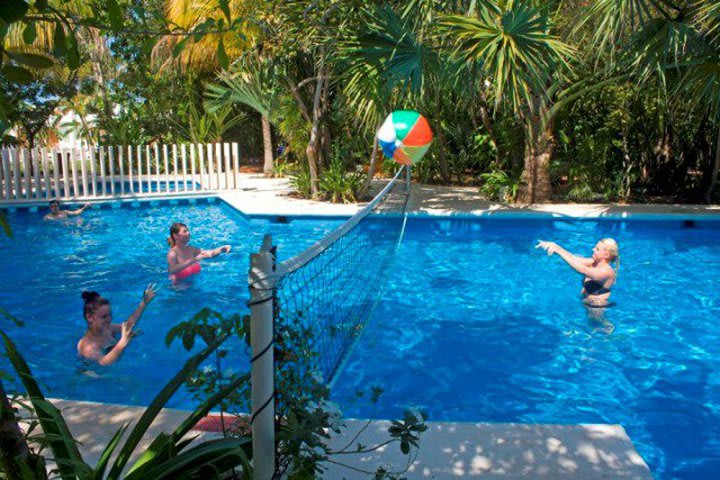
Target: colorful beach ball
point(405, 137)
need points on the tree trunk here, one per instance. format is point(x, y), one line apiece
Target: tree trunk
point(487, 123)
point(312, 148)
point(326, 146)
point(268, 164)
point(13, 449)
point(444, 171)
point(535, 179)
point(715, 170)
point(371, 169)
point(626, 182)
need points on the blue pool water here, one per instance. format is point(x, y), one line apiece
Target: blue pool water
point(47, 265)
point(477, 325)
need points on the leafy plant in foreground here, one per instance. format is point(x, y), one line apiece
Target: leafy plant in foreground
point(305, 418)
point(169, 456)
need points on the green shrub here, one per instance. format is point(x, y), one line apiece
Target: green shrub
point(582, 192)
point(300, 181)
point(283, 167)
point(339, 185)
point(498, 185)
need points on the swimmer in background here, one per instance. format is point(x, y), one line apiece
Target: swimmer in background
point(99, 343)
point(57, 214)
point(184, 260)
point(598, 275)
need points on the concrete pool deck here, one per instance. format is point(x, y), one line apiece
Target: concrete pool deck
point(271, 196)
point(447, 450)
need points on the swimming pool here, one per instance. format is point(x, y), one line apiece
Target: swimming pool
point(477, 325)
point(117, 251)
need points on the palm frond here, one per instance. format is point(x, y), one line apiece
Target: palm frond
point(513, 48)
point(661, 45)
point(609, 22)
point(701, 82)
point(254, 83)
point(382, 62)
point(202, 53)
point(708, 19)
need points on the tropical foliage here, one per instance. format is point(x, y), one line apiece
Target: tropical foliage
point(605, 100)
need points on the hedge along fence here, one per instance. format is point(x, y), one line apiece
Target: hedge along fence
point(89, 172)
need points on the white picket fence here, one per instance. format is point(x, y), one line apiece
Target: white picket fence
point(92, 172)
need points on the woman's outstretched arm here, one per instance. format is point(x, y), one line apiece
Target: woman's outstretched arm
point(581, 265)
point(148, 295)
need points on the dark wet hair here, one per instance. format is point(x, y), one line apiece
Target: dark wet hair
point(54, 202)
point(174, 228)
point(92, 300)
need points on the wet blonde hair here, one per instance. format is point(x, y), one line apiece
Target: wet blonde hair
point(612, 248)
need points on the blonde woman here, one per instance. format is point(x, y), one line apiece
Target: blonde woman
point(598, 274)
point(184, 260)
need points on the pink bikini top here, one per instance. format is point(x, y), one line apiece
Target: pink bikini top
point(186, 272)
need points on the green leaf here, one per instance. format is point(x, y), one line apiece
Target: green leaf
point(31, 59)
point(30, 33)
point(13, 10)
point(225, 7)
point(115, 14)
point(17, 74)
point(148, 44)
point(154, 409)
point(59, 44)
point(56, 432)
point(109, 449)
point(188, 339)
point(10, 317)
point(159, 449)
point(73, 55)
point(178, 48)
point(220, 455)
point(222, 56)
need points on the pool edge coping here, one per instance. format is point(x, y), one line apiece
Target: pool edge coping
point(344, 211)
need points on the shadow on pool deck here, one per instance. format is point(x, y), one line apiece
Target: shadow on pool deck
point(447, 450)
point(504, 451)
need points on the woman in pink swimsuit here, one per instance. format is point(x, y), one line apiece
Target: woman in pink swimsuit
point(184, 260)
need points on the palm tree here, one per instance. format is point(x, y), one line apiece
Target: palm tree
point(664, 40)
point(213, 51)
point(392, 60)
point(256, 86)
point(511, 43)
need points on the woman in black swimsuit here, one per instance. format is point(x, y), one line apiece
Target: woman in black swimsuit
point(598, 274)
point(99, 343)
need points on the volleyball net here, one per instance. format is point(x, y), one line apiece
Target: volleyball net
point(328, 291)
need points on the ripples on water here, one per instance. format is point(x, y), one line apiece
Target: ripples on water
point(477, 325)
point(46, 265)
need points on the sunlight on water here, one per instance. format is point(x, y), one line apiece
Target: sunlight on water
point(477, 325)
